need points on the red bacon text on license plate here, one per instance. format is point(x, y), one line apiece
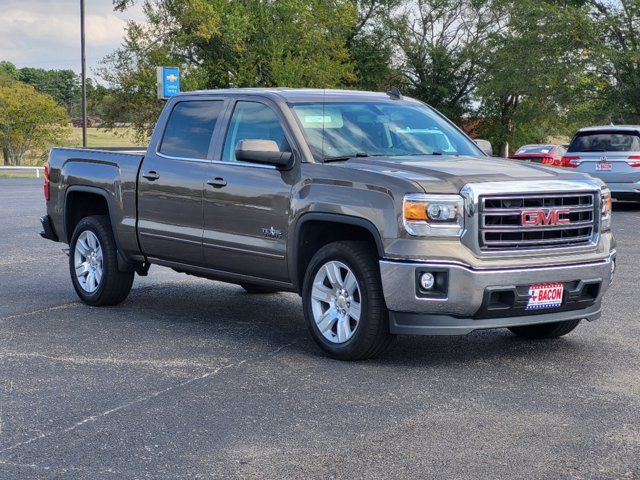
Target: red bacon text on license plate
point(545, 295)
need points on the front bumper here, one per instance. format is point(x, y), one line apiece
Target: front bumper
point(489, 298)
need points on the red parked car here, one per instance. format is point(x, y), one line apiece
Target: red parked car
point(547, 154)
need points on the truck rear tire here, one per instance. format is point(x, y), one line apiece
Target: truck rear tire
point(343, 303)
point(545, 330)
point(257, 289)
point(93, 263)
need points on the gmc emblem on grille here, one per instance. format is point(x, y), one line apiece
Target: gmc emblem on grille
point(532, 218)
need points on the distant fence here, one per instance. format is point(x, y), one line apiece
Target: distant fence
point(36, 170)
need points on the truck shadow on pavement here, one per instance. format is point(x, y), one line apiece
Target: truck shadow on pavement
point(242, 322)
point(626, 206)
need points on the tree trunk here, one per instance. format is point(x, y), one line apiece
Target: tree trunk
point(5, 156)
point(504, 149)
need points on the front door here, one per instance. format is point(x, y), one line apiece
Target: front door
point(246, 205)
point(170, 221)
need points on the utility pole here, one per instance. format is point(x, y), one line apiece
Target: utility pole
point(84, 76)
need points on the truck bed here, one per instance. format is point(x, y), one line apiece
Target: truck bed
point(110, 174)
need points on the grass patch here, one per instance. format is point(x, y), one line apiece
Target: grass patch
point(96, 137)
point(19, 175)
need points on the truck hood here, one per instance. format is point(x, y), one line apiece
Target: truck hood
point(449, 173)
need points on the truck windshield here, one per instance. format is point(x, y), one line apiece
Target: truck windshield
point(338, 130)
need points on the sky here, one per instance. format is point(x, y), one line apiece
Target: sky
point(46, 33)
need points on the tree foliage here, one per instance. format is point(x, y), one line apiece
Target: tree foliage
point(617, 57)
point(536, 70)
point(29, 121)
point(521, 70)
point(442, 45)
point(237, 43)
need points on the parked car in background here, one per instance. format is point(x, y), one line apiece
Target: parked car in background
point(541, 153)
point(611, 153)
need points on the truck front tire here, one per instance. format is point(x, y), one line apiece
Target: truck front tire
point(343, 302)
point(93, 263)
point(545, 330)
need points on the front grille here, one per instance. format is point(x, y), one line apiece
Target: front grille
point(502, 227)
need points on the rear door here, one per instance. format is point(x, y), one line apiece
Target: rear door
point(172, 178)
point(611, 155)
point(246, 205)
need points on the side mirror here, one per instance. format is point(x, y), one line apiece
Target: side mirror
point(485, 146)
point(263, 151)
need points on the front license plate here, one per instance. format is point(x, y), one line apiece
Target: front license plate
point(545, 295)
point(604, 166)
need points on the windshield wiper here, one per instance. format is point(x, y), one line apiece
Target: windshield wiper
point(344, 158)
point(435, 152)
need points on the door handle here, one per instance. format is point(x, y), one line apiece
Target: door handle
point(151, 176)
point(217, 182)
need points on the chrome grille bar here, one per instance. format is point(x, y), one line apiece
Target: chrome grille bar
point(501, 225)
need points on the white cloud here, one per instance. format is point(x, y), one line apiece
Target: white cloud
point(46, 33)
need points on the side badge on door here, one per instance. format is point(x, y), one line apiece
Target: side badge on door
point(271, 232)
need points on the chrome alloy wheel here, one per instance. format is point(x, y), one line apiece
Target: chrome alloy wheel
point(87, 259)
point(336, 302)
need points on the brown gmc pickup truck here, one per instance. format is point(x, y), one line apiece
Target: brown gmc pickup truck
point(384, 216)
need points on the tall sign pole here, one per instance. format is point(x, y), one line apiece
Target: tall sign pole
point(84, 76)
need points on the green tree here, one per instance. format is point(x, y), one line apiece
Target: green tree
point(536, 71)
point(220, 43)
point(8, 70)
point(442, 45)
point(63, 85)
point(371, 45)
point(616, 58)
point(29, 121)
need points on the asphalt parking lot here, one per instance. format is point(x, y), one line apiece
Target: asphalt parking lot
point(196, 379)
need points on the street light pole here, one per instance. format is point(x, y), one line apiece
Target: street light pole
point(84, 76)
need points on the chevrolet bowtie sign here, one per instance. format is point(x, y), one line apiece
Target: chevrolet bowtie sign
point(168, 81)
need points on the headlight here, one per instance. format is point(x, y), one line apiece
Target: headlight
point(433, 215)
point(605, 203)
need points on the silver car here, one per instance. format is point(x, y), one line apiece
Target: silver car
point(611, 153)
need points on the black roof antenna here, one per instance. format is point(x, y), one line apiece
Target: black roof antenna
point(394, 93)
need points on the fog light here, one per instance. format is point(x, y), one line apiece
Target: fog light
point(427, 281)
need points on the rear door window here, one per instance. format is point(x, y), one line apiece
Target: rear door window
point(607, 141)
point(189, 129)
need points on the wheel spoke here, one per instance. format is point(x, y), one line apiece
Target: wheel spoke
point(98, 276)
point(92, 240)
point(355, 310)
point(327, 320)
point(82, 269)
point(332, 271)
point(321, 293)
point(82, 247)
point(343, 330)
point(350, 283)
point(90, 279)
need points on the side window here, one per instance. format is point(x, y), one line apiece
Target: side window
point(253, 121)
point(189, 129)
